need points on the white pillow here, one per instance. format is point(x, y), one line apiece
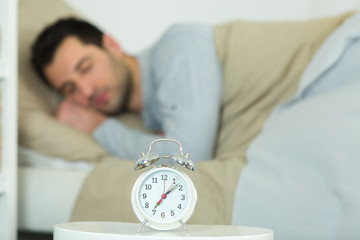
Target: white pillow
point(303, 175)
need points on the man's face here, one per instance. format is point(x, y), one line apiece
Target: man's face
point(90, 76)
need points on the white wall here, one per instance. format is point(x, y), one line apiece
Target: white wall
point(138, 23)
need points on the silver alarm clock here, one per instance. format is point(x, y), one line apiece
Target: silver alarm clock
point(164, 197)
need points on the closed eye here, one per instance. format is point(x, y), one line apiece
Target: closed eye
point(84, 65)
point(85, 68)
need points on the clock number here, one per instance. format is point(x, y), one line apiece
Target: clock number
point(164, 177)
point(144, 195)
point(179, 206)
point(147, 205)
point(182, 197)
point(180, 187)
point(154, 180)
point(148, 186)
point(154, 211)
point(163, 214)
point(172, 213)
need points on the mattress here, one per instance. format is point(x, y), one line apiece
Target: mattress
point(47, 189)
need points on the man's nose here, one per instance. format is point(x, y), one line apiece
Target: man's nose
point(85, 90)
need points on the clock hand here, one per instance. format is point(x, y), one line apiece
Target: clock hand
point(158, 203)
point(162, 196)
point(171, 188)
point(164, 186)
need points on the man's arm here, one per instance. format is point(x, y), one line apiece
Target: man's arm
point(79, 117)
point(190, 91)
point(187, 97)
point(117, 138)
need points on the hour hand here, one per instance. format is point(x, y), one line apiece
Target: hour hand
point(158, 203)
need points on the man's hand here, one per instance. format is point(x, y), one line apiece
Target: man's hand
point(79, 117)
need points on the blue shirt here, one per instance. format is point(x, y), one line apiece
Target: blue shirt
point(182, 92)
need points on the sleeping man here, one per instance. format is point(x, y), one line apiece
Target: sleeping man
point(211, 88)
point(176, 86)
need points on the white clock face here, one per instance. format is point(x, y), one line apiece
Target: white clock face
point(164, 196)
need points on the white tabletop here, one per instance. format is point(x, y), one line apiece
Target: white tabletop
point(120, 230)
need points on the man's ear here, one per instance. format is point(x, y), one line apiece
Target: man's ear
point(110, 44)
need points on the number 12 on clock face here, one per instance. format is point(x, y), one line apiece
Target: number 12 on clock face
point(164, 197)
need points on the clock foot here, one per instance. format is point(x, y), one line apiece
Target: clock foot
point(142, 225)
point(183, 225)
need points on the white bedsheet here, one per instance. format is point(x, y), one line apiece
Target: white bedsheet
point(32, 158)
point(48, 189)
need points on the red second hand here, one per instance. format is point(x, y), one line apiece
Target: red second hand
point(170, 186)
point(164, 187)
point(164, 194)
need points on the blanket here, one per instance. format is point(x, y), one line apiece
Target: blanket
point(302, 172)
point(262, 64)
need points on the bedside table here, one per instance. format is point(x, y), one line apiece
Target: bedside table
point(127, 231)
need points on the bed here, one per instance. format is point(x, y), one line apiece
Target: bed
point(43, 203)
point(47, 185)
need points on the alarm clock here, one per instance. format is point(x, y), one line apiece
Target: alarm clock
point(164, 197)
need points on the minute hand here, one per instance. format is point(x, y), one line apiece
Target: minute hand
point(171, 189)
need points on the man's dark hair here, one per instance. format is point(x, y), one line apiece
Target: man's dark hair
point(47, 42)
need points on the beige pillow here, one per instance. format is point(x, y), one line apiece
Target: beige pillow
point(37, 128)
